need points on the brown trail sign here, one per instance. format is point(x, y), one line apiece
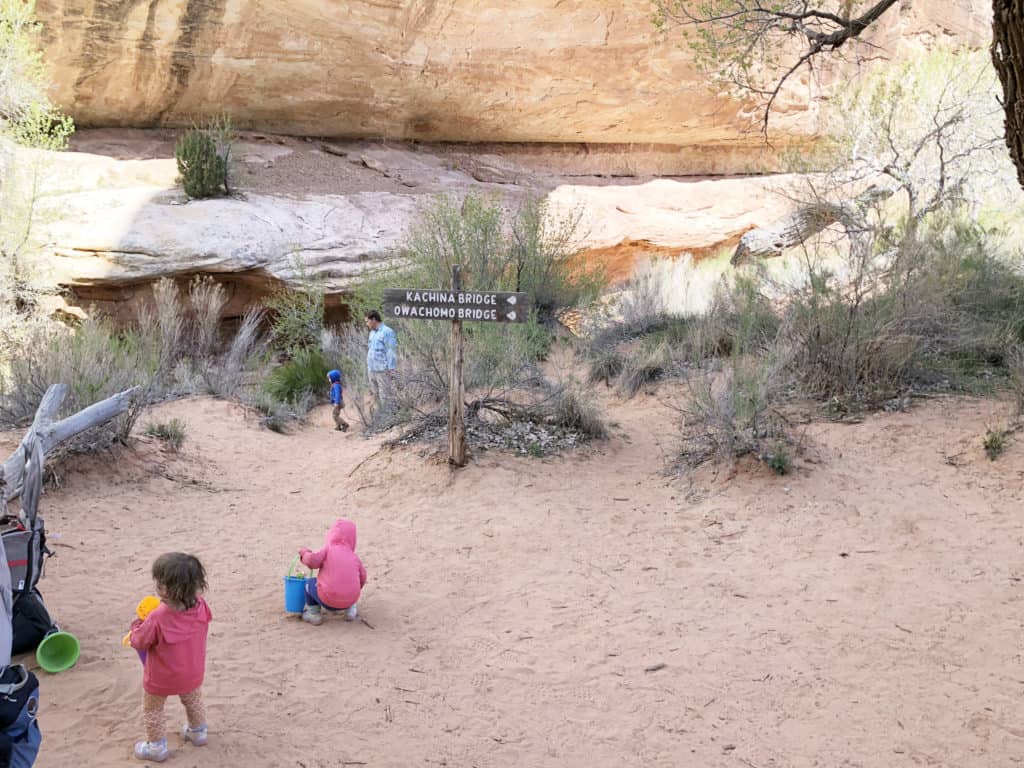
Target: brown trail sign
point(440, 304)
point(456, 305)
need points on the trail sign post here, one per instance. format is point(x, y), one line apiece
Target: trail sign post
point(456, 305)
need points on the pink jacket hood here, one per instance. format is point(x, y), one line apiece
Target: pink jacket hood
point(343, 533)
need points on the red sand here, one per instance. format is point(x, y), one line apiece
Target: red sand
point(865, 611)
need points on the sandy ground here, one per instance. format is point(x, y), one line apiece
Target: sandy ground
point(865, 611)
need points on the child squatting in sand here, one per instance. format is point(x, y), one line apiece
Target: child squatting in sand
point(174, 638)
point(341, 577)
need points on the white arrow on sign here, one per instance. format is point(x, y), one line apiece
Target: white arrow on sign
point(511, 299)
point(511, 315)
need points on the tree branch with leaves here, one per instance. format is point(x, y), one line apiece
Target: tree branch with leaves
point(743, 43)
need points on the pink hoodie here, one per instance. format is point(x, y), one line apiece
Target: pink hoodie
point(341, 576)
point(175, 642)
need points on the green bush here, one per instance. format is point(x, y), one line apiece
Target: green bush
point(304, 375)
point(171, 432)
point(994, 443)
point(297, 316)
point(201, 167)
point(778, 459)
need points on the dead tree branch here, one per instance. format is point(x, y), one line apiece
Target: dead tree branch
point(50, 433)
point(796, 228)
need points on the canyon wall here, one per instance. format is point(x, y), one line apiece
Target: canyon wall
point(568, 71)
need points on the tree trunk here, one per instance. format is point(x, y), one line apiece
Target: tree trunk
point(45, 433)
point(1008, 59)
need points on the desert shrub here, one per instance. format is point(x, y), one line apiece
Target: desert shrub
point(545, 263)
point(994, 443)
point(642, 368)
point(528, 249)
point(208, 299)
point(849, 350)
point(171, 432)
point(642, 302)
point(964, 290)
point(297, 315)
point(643, 346)
point(945, 310)
point(573, 407)
point(276, 414)
point(777, 459)
point(604, 365)
point(302, 377)
point(204, 158)
point(224, 377)
point(734, 412)
point(201, 167)
point(95, 362)
point(167, 326)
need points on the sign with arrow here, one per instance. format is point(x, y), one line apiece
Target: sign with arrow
point(456, 305)
point(444, 304)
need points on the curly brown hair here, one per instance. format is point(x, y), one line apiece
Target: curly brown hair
point(182, 577)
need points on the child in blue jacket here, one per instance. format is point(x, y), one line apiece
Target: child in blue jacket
point(337, 400)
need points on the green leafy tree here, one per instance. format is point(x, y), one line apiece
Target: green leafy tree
point(30, 124)
point(756, 46)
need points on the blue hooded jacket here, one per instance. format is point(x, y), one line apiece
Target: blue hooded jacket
point(335, 378)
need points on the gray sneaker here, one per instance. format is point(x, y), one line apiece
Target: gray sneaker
point(311, 614)
point(196, 735)
point(154, 751)
point(352, 612)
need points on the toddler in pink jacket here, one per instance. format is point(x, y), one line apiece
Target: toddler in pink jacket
point(341, 574)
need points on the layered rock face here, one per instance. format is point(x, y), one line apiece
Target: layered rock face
point(339, 209)
point(590, 71)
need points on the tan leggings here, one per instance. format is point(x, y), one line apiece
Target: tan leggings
point(153, 712)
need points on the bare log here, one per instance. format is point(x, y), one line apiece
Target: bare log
point(794, 229)
point(45, 433)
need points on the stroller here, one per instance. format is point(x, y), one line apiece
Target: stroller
point(25, 620)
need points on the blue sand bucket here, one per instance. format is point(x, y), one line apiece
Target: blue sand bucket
point(294, 590)
point(58, 651)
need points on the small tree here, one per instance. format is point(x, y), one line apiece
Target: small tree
point(29, 125)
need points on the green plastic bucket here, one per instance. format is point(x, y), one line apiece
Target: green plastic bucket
point(58, 651)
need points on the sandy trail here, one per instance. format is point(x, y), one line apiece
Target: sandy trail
point(865, 611)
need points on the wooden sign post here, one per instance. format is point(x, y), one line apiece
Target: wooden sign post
point(456, 391)
point(456, 305)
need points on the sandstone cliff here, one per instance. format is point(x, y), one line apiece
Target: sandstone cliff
point(590, 71)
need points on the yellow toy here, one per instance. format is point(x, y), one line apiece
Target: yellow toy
point(146, 606)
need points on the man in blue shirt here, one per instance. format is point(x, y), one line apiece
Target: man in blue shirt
point(381, 358)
